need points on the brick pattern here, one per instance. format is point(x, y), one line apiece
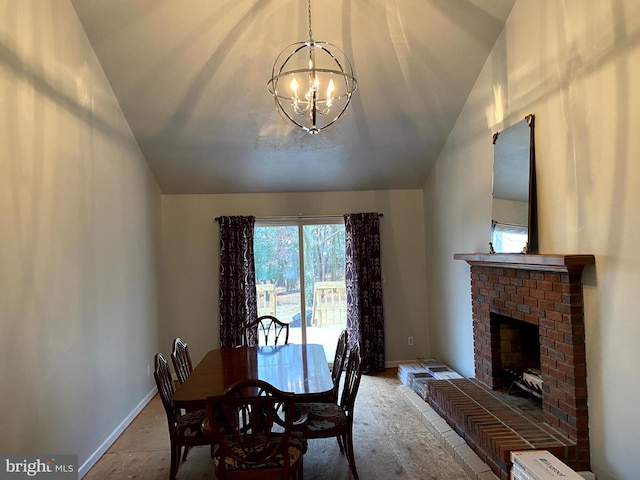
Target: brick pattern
point(492, 428)
point(554, 302)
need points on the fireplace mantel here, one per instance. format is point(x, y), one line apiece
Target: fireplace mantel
point(547, 263)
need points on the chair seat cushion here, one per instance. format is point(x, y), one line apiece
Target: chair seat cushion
point(324, 418)
point(190, 424)
point(297, 447)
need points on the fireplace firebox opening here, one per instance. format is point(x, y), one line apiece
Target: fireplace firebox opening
point(518, 356)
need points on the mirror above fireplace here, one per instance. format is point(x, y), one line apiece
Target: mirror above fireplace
point(513, 210)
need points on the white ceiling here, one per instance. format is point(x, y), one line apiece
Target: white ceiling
point(191, 75)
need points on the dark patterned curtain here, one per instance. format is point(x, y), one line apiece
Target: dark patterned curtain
point(365, 319)
point(237, 278)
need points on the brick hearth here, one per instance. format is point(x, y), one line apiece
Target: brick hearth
point(542, 290)
point(492, 427)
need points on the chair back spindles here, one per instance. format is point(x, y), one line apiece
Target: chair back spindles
point(338, 362)
point(181, 359)
point(266, 330)
point(166, 387)
point(352, 378)
point(252, 424)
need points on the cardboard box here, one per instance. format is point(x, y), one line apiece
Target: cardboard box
point(540, 465)
point(419, 385)
point(408, 371)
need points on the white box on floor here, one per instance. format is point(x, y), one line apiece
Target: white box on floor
point(408, 371)
point(540, 465)
point(446, 375)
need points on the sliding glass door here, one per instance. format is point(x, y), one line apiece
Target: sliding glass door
point(300, 277)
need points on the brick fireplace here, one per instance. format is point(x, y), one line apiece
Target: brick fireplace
point(545, 293)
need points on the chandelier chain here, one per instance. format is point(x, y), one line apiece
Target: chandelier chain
point(309, 9)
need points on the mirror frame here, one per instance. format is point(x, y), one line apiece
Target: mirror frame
point(532, 214)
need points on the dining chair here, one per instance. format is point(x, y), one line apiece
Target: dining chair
point(331, 419)
point(252, 424)
point(266, 327)
point(181, 359)
point(184, 430)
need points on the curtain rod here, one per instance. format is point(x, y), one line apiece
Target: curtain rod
point(298, 217)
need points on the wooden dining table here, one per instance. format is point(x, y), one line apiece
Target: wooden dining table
point(297, 368)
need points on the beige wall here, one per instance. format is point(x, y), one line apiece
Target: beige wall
point(576, 66)
point(191, 249)
point(80, 233)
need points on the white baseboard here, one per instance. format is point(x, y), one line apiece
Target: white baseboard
point(91, 461)
point(397, 363)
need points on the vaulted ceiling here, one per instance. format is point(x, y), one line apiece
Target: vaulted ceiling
point(191, 75)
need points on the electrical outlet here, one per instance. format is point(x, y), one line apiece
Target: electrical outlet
point(410, 342)
point(148, 370)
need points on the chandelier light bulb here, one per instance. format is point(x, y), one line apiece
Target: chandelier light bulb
point(330, 90)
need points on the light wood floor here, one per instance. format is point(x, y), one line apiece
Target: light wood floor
point(390, 443)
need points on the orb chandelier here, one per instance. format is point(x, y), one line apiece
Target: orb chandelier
point(312, 83)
